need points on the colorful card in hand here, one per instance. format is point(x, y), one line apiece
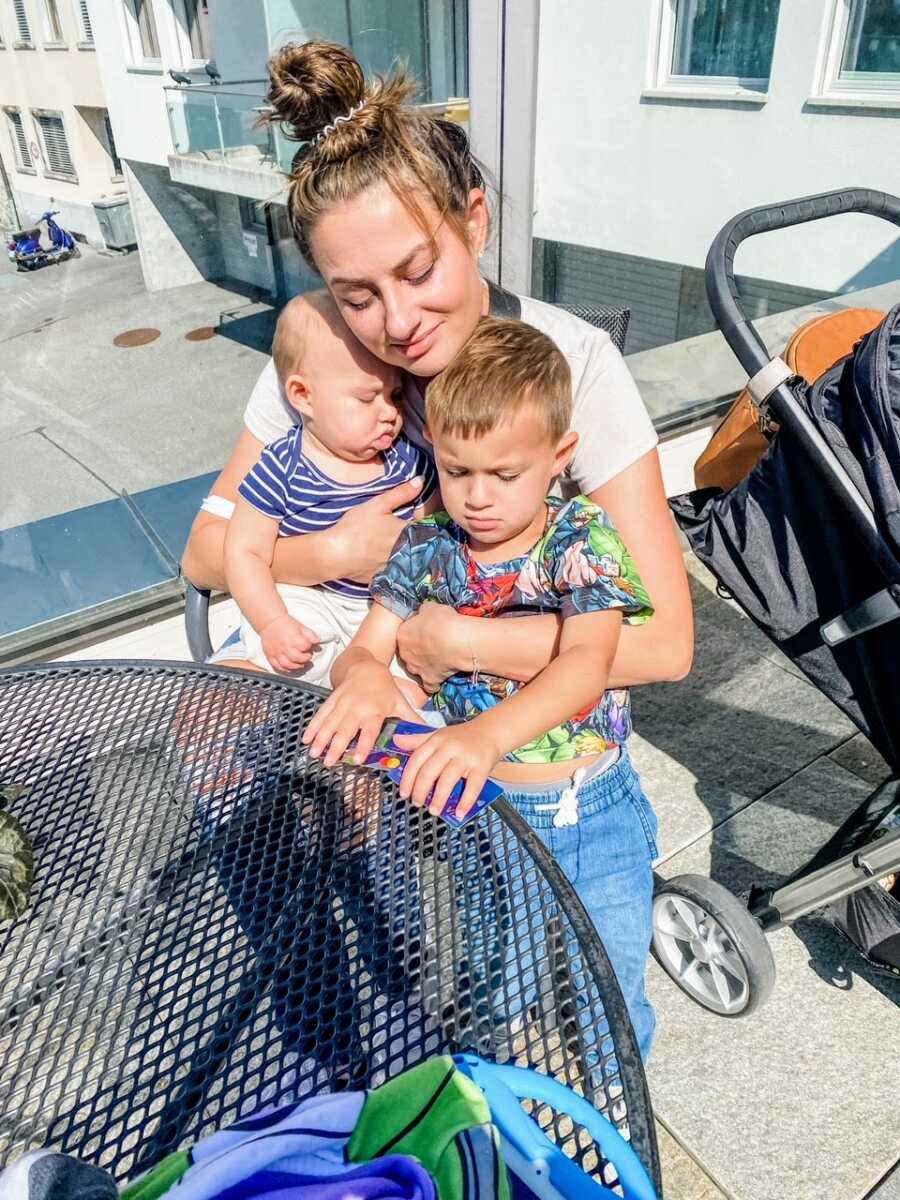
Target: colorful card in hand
point(387, 756)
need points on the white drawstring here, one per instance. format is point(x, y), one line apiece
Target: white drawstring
point(567, 806)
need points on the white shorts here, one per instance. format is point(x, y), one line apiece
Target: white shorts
point(333, 618)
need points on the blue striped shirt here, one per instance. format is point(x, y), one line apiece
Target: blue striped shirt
point(296, 493)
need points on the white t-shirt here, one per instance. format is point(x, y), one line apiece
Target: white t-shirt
point(613, 427)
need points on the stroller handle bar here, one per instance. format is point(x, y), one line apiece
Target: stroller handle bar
point(720, 284)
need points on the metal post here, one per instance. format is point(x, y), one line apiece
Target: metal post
point(784, 905)
point(503, 56)
point(219, 125)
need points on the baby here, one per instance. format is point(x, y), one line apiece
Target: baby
point(348, 449)
point(498, 418)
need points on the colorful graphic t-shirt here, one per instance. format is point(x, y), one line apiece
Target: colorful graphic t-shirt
point(579, 565)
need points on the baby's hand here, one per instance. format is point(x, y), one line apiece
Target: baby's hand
point(287, 644)
point(360, 705)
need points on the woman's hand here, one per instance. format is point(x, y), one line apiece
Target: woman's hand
point(360, 705)
point(429, 644)
point(442, 759)
point(365, 535)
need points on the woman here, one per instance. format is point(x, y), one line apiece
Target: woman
point(387, 204)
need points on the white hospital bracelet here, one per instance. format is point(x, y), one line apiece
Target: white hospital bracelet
point(218, 506)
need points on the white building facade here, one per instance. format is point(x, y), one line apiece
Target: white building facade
point(658, 120)
point(623, 133)
point(57, 145)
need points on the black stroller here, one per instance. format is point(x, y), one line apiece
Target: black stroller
point(809, 546)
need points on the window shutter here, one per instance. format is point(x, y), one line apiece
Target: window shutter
point(20, 139)
point(56, 146)
point(86, 28)
point(22, 20)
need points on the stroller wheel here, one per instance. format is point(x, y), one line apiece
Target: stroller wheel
point(705, 939)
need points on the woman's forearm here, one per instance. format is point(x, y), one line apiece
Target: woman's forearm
point(203, 562)
point(655, 652)
point(520, 648)
point(307, 560)
point(515, 647)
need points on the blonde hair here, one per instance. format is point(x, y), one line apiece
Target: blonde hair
point(382, 139)
point(503, 367)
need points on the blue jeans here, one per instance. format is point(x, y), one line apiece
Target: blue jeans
point(607, 857)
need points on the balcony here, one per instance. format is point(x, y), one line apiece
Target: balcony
point(220, 142)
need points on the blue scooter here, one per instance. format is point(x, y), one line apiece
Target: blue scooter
point(26, 251)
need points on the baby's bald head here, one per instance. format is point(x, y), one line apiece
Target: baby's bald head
point(307, 324)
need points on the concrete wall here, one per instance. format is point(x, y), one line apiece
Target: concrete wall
point(246, 253)
point(64, 79)
point(658, 178)
point(177, 228)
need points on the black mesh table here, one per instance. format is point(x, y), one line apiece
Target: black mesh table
point(217, 923)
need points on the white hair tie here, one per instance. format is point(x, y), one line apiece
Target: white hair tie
point(324, 132)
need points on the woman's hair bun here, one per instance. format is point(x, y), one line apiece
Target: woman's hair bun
point(311, 84)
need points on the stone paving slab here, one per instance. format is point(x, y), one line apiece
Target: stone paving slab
point(860, 756)
point(682, 1177)
point(798, 1099)
point(29, 458)
point(889, 1188)
point(738, 726)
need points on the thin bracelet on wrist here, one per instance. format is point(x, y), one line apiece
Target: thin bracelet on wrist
point(473, 677)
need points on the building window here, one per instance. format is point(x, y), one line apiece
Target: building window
point(53, 31)
point(872, 44)
point(196, 19)
point(145, 41)
point(56, 145)
point(22, 26)
point(111, 146)
point(714, 48)
point(253, 215)
point(85, 28)
point(21, 150)
point(860, 57)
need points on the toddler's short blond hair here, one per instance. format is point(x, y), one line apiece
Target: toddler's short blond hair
point(503, 367)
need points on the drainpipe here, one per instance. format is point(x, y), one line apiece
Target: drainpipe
point(9, 194)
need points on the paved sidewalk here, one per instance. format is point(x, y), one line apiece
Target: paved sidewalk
point(89, 419)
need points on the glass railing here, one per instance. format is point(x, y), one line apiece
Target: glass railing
point(224, 123)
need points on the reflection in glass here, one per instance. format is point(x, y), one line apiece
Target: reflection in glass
point(146, 23)
point(197, 14)
point(872, 46)
point(429, 35)
point(730, 38)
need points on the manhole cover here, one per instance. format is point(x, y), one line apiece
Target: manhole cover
point(136, 337)
point(202, 334)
